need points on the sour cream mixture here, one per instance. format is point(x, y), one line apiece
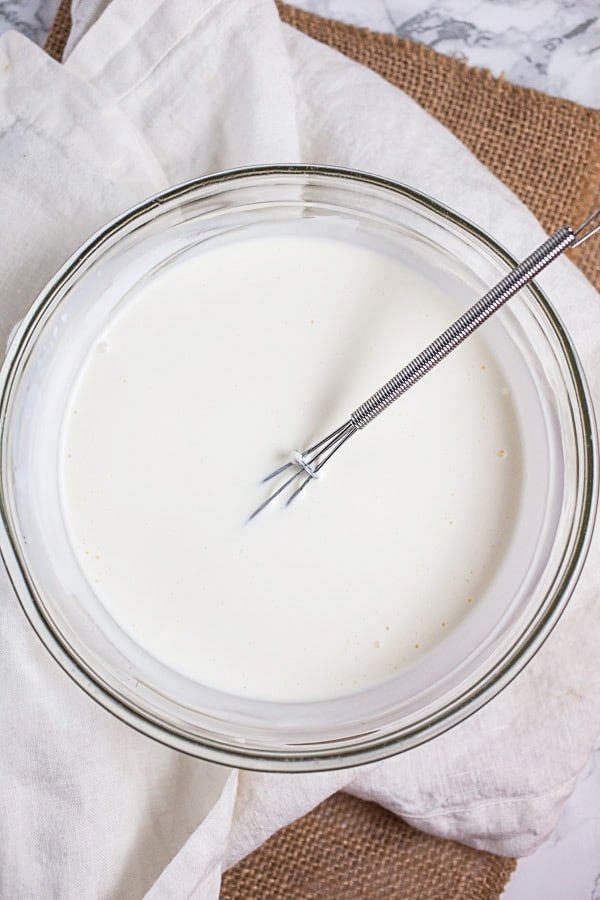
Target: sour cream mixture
point(206, 379)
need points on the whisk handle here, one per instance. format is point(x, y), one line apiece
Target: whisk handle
point(456, 333)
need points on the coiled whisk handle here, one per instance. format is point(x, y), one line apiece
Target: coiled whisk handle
point(307, 465)
point(456, 333)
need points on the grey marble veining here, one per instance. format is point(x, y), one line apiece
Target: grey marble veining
point(554, 46)
point(550, 45)
point(32, 18)
point(523, 40)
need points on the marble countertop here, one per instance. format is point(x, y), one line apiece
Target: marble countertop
point(32, 18)
point(553, 46)
point(550, 45)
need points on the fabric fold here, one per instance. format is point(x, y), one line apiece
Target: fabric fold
point(71, 162)
point(155, 93)
point(205, 96)
point(195, 872)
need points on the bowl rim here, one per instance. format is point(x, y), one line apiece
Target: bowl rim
point(294, 759)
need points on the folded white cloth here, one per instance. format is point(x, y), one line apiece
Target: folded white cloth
point(155, 92)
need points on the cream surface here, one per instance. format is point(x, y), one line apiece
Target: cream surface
point(215, 370)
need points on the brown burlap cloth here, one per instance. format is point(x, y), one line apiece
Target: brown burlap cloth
point(548, 152)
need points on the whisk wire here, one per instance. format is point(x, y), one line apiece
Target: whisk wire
point(342, 434)
point(312, 460)
point(590, 227)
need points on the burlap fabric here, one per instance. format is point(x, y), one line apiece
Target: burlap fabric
point(60, 31)
point(547, 151)
point(347, 849)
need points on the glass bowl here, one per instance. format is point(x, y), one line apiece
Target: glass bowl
point(465, 670)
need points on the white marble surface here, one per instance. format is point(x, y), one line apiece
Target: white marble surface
point(554, 46)
point(30, 17)
point(550, 45)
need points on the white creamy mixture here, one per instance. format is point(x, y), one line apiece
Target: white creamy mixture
point(215, 370)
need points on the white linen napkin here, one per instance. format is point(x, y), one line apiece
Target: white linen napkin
point(152, 93)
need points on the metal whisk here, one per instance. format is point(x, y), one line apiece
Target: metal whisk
point(310, 462)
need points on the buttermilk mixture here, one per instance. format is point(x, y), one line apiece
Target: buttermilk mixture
point(207, 378)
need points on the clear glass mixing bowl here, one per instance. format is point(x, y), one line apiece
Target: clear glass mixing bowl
point(462, 672)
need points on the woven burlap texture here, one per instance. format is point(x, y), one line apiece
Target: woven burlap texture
point(547, 151)
point(59, 32)
point(352, 850)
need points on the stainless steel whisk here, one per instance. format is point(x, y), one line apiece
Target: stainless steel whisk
point(309, 462)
